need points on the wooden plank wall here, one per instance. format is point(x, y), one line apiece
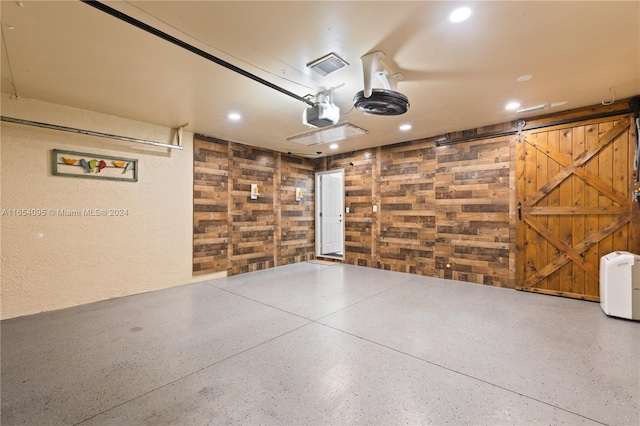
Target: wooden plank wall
point(445, 211)
point(297, 222)
point(233, 234)
point(358, 186)
point(407, 208)
point(438, 206)
point(252, 223)
point(473, 230)
point(570, 223)
point(210, 206)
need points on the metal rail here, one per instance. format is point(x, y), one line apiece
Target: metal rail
point(532, 127)
point(89, 132)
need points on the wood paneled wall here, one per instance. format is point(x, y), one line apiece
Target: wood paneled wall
point(443, 211)
point(210, 206)
point(233, 233)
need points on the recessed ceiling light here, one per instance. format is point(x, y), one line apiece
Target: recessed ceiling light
point(333, 146)
point(512, 105)
point(460, 14)
point(524, 78)
point(234, 116)
point(405, 127)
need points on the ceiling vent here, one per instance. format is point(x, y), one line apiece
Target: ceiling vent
point(327, 64)
point(386, 101)
point(335, 133)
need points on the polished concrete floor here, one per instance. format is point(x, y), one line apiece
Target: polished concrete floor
point(311, 344)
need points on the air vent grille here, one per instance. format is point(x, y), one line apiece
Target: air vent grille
point(327, 64)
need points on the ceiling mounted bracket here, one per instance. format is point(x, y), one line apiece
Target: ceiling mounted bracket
point(386, 101)
point(373, 65)
point(520, 125)
point(179, 134)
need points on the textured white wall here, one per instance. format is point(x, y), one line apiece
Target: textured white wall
point(52, 262)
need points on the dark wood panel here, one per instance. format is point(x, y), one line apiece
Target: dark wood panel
point(407, 218)
point(210, 204)
point(233, 233)
point(472, 199)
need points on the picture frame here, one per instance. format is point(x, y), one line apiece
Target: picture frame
point(94, 166)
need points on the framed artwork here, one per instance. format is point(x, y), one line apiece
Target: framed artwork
point(94, 166)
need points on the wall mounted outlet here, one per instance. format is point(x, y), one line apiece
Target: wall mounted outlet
point(375, 208)
point(347, 210)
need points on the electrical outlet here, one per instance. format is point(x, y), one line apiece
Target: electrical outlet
point(375, 208)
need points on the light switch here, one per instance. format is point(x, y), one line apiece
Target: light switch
point(375, 208)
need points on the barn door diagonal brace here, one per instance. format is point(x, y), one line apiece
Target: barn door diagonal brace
point(565, 248)
point(565, 161)
point(604, 140)
point(579, 248)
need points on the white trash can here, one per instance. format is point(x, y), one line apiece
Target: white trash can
point(620, 285)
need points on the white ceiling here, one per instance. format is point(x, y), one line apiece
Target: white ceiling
point(456, 76)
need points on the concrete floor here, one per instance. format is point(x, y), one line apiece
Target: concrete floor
point(315, 344)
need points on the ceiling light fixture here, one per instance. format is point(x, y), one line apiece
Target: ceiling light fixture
point(405, 127)
point(234, 116)
point(460, 14)
point(524, 78)
point(512, 106)
point(333, 146)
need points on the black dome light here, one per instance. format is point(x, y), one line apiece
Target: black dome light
point(381, 102)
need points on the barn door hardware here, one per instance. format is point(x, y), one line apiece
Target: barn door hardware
point(520, 125)
point(519, 211)
point(634, 105)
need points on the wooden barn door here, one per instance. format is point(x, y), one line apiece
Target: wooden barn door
point(574, 204)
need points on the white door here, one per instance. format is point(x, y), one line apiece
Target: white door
point(331, 213)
